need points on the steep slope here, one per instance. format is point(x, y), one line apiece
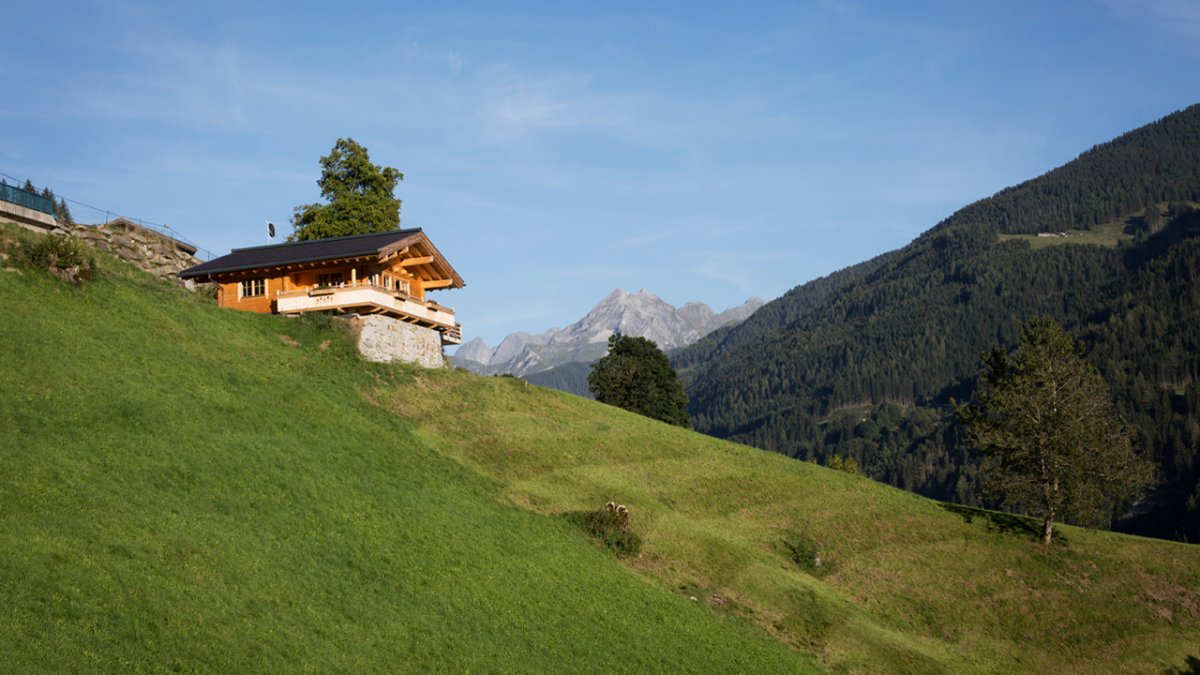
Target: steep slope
point(188, 488)
point(640, 314)
point(870, 578)
point(862, 363)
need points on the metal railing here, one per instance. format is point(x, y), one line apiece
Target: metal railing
point(30, 200)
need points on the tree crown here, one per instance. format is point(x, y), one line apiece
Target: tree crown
point(1052, 440)
point(637, 376)
point(360, 196)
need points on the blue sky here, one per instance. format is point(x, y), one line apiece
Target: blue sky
point(554, 152)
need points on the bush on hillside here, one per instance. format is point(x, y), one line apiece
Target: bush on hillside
point(609, 526)
point(845, 463)
point(802, 550)
point(64, 257)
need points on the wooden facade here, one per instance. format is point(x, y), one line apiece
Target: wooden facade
point(383, 273)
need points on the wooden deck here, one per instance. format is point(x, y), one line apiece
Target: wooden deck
point(370, 299)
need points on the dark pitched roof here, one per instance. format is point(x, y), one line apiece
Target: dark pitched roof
point(296, 252)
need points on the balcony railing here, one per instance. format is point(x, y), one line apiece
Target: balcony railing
point(372, 299)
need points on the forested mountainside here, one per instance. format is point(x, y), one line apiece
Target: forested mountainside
point(864, 362)
point(1153, 164)
point(569, 377)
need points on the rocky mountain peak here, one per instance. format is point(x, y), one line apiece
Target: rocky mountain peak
point(640, 314)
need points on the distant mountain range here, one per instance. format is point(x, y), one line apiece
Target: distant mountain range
point(640, 314)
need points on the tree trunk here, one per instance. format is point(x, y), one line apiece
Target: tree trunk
point(1048, 527)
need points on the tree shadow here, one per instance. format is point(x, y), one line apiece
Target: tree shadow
point(1004, 523)
point(1191, 666)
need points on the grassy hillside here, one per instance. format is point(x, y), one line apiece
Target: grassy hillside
point(905, 584)
point(186, 488)
point(1109, 234)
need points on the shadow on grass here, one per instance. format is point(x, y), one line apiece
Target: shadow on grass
point(1190, 667)
point(1004, 523)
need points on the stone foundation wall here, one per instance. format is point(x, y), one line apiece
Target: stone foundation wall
point(384, 339)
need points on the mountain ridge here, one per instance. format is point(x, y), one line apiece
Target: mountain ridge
point(639, 314)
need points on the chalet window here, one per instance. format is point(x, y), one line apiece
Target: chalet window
point(254, 288)
point(331, 279)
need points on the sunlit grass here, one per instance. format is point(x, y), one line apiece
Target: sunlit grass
point(1108, 235)
point(182, 489)
point(188, 488)
point(908, 583)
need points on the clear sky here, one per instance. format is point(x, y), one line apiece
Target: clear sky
point(554, 152)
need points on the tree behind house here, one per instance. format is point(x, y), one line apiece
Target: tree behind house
point(359, 193)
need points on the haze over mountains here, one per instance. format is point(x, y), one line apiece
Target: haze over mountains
point(640, 314)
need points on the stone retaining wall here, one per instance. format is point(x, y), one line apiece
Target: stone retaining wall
point(157, 254)
point(384, 339)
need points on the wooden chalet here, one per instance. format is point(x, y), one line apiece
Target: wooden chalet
point(386, 273)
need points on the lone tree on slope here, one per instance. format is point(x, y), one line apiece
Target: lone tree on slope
point(360, 196)
point(1054, 446)
point(636, 375)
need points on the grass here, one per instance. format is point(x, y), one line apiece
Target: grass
point(1109, 235)
point(181, 488)
point(912, 584)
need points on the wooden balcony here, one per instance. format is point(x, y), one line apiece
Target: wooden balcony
point(370, 299)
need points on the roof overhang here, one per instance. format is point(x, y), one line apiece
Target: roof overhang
point(429, 265)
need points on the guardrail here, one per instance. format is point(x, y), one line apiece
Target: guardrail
point(30, 200)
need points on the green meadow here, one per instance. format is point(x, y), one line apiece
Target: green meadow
point(1109, 235)
point(184, 488)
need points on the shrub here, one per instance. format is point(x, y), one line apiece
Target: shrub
point(609, 526)
point(64, 257)
point(801, 549)
point(845, 463)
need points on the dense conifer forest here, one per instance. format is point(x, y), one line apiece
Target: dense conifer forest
point(865, 362)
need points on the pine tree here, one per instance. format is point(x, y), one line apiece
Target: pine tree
point(63, 213)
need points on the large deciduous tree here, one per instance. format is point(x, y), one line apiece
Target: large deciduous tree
point(359, 194)
point(637, 376)
point(1054, 446)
